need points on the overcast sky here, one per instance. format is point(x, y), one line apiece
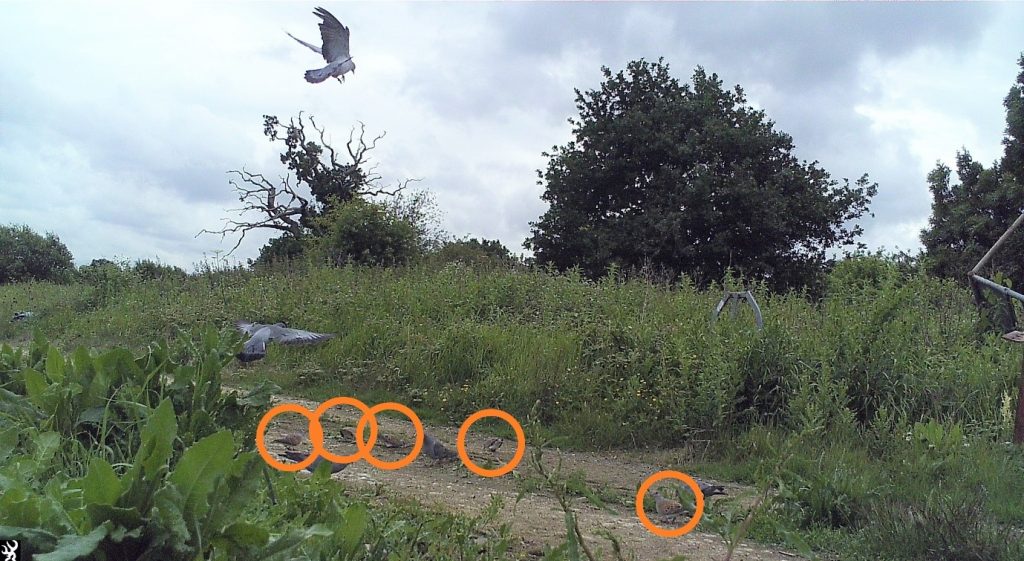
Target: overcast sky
point(119, 121)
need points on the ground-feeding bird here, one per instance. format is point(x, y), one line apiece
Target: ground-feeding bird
point(335, 50)
point(494, 444)
point(299, 456)
point(709, 489)
point(18, 316)
point(436, 450)
point(665, 506)
point(261, 334)
point(291, 439)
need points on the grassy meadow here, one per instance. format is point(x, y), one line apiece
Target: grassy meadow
point(880, 415)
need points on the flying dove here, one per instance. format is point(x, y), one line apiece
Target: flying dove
point(435, 449)
point(261, 334)
point(335, 49)
point(299, 456)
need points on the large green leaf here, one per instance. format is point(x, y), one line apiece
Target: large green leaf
point(246, 535)
point(293, 538)
point(55, 365)
point(142, 480)
point(8, 441)
point(33, 539)
point(231, 498)
point(19, 408)
point(100, 485)
point(356, 518)
point(71, 547)
point(167, 520)
point(200, 468)
point(46, 445)
point(35, 389)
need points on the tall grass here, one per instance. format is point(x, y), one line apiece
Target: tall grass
point(886, 370)
point(609, 360)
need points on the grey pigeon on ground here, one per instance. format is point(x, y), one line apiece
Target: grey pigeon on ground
point(335, 49)
point(709, 489)
point(436, 450)
point(299, 456)
point(261, 334)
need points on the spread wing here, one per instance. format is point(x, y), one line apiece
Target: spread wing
point(288, 336)
point(249, 328)
point(313, 47)
point(334, 35)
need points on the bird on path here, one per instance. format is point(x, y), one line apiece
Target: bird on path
point(299, 456)
point(291, 439)
point(665, 506)
point(261, 334)
point(436, 450)
point(494, 444)
point(335, 49)
point(709, 489)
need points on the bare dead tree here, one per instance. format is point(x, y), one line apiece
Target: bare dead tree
point(318, 168)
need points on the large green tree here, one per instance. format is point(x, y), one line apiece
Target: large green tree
point(969, 216)
point(689, 180)
point(26, 255)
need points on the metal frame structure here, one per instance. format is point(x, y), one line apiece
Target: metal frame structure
point(1010, 321)
point(734, 298)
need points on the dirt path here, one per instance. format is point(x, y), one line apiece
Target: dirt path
point(538, 519)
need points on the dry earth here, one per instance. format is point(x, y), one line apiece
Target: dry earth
point(537, 520)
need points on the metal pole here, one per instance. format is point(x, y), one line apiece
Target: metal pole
point(997, 245)
point(998, 288)
point(1018, 425)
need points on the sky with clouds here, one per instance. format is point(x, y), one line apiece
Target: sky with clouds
point(119, 121)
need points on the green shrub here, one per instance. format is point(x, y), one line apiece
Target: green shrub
point(367, 233)
point(26, 255)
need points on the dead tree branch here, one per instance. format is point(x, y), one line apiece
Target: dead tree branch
point(317, 170)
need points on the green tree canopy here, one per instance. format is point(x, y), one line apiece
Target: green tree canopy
point(26, 255)
point(968, 217)
point(482, 253)
point(692, 180)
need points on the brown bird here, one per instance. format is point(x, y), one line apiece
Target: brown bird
point(291, 439)
point(666, 507)
point(299, 456)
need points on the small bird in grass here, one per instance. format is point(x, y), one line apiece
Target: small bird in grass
point(335, 49)
point(436, 450)
point(18, 316)
point(299, 456)
point(261, 334)
point(494, 444)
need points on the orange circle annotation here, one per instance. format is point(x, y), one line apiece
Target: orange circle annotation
point(368, 450)
point(665, 532)
point(460, 443)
